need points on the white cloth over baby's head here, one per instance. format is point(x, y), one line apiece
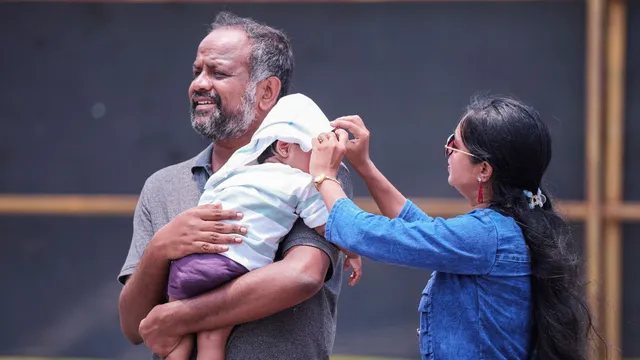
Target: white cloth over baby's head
point(294, 119)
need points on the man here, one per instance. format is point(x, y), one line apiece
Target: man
point(285, 310)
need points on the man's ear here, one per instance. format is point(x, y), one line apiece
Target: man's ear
point(267, 94)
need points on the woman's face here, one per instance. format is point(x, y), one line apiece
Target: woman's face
point(463, 173)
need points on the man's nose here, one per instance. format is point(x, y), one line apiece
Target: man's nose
point(202, 82)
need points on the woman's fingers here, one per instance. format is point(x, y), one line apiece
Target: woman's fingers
point(343, 136)
point(332, 136)
point(315, 143)
point(353, 124)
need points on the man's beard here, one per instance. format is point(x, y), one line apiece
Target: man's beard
point(222, 124)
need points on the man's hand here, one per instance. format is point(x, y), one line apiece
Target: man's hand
point(156, 333)
point(198, 230)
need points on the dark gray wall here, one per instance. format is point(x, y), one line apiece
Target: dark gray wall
point(407, 69)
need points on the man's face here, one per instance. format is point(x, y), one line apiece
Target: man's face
point(222, 99)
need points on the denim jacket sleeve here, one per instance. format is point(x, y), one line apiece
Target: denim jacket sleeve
point(466, 244)
point(410, 213)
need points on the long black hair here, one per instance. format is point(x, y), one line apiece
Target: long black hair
point(514, 140)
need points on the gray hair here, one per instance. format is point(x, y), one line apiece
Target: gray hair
point(271, 53)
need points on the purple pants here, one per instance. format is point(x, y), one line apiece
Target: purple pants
point(198, 273)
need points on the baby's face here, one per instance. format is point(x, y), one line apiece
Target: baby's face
point(298, 158)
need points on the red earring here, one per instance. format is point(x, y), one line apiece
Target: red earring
point(480, 197)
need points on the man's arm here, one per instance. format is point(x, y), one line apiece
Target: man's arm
point(144, 274)
point(308, 262)
point(138, 297)
point(253, 296)
point(146, 269)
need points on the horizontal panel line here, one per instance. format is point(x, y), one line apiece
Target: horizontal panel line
point(570, 210)
point(124, 205)
point(77, 204)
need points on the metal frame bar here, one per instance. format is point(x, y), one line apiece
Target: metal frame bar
point(124, 205)
point(616, 34)
point(593, 149)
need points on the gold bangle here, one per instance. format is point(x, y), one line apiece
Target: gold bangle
point(321, 178)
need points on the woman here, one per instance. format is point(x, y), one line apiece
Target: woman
point(506, 283)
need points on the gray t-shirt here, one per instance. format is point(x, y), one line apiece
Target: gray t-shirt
point(305, 331)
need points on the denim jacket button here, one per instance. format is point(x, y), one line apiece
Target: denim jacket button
point(418, 332)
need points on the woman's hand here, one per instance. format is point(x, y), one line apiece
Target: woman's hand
point(327, 153)
point(358, 148)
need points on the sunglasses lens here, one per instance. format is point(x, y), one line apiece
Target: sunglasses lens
point(449, 145)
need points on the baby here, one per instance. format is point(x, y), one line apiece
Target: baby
point(268, 181)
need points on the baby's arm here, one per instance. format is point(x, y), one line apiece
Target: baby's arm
point(315, 214)
point(352, 260)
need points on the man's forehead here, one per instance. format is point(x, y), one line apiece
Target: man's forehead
point(225, 44)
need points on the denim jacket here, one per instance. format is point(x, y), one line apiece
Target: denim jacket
point(477, 303)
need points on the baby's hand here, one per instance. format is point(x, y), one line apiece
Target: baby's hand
point(356, 264)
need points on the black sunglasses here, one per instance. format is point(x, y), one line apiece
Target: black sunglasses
point(449, 147)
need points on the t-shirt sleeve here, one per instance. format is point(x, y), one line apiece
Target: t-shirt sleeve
point(311, 207)
point(142, 234)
